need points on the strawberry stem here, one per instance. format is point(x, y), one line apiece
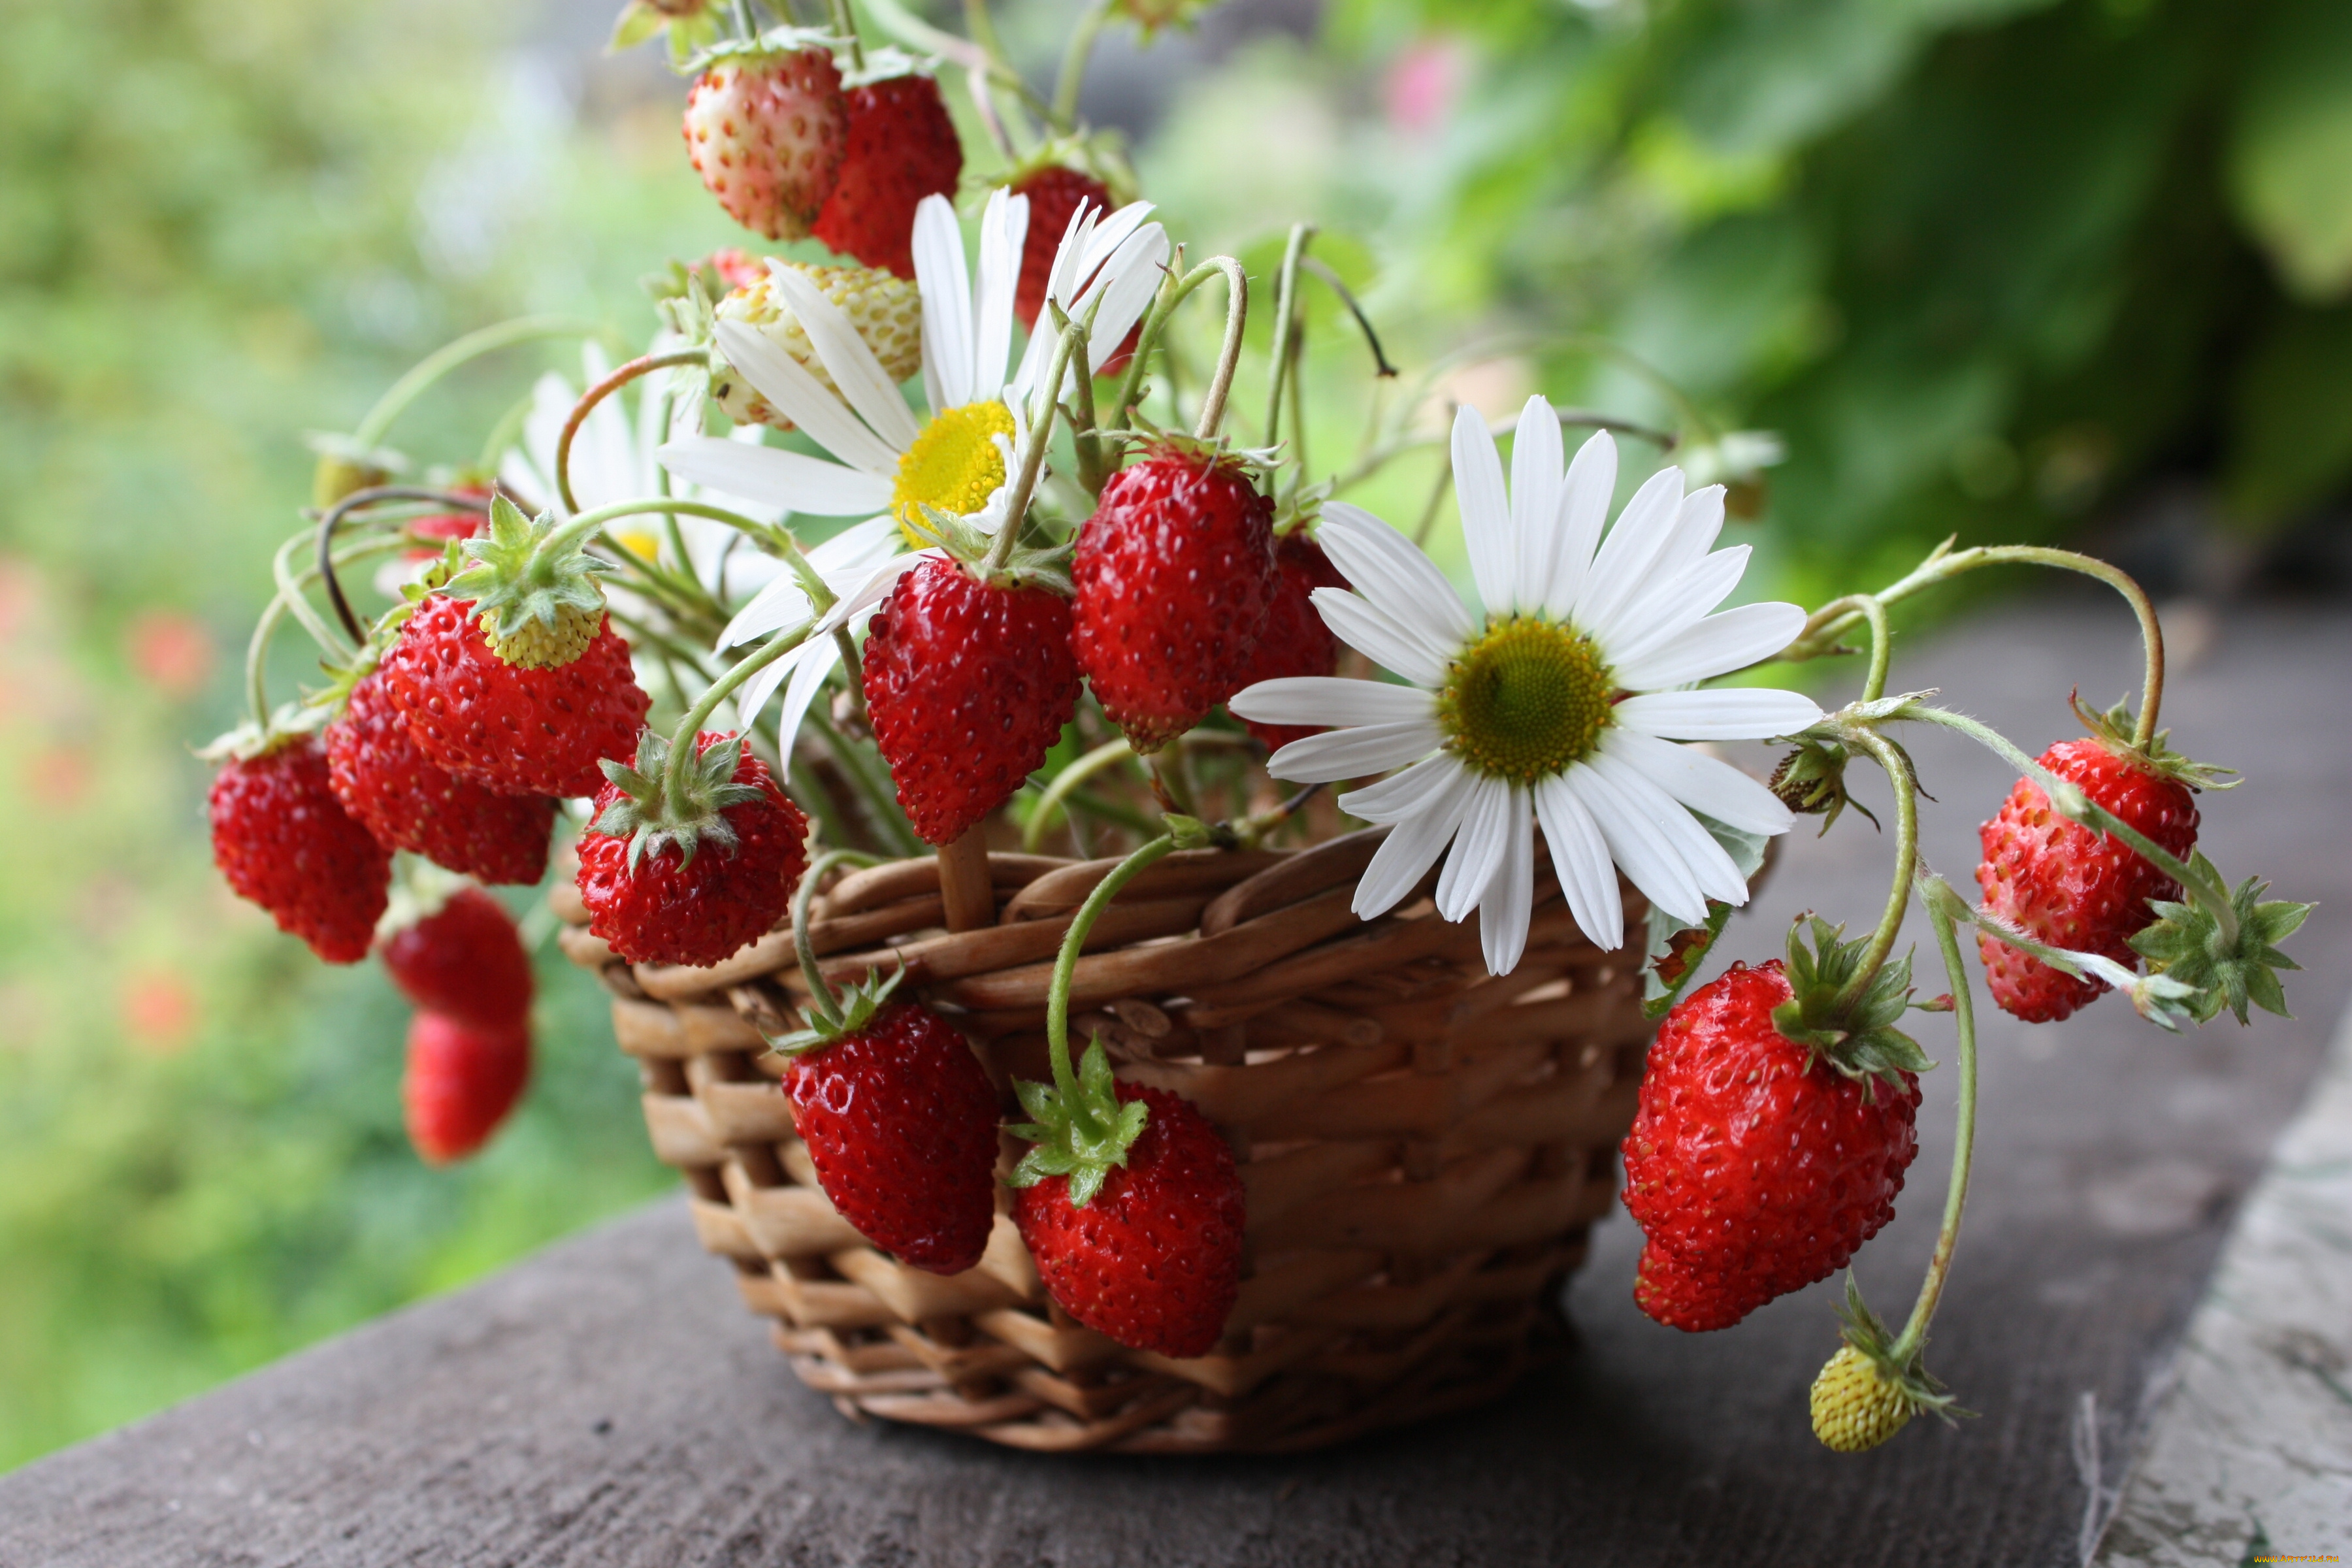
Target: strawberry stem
point(1075, 60)
point(1287, 324)
point(1111, 753)
point(825, 1007)
point(1964, 1137)
point(1044, 406)
point(643, 365)
point(1073, 942)
point(1155, 321)
point(847, 25)
point(682, 751)
point(1897, 767)
point(378, 424)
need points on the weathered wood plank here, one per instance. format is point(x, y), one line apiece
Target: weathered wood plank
point(609, 1401)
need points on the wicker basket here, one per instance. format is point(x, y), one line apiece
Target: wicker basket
point(1424, 1147)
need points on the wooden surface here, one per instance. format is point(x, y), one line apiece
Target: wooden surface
point(610, 1401)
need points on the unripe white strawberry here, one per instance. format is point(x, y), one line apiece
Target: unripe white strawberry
point(766, 128)
point(886, 308)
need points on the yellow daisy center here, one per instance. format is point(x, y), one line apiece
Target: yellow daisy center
point(1525, 700)
point(641, 542)
point(954, 465)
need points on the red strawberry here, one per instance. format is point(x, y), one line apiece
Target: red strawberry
point(1293, 639)
point(902, 148)
point(2062, 883)
point(283, 841)
point(461, 1081)
point(1174, 572)
point(766, 130)
point(465, 962)
point(383, 778)
point(514, 730)
point(689, 877)
point(1154, 1259)
point(733, 267)
point(1056, 193)
point(968, 686)
point(1756, 1167)
point(900, 1119)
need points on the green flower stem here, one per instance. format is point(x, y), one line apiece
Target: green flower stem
point(681, 745)
point(1074, 59)
point(1386, 452)
point(853, 670)
point(1944, 564)
point(874, 791)
point(1908, 1344)
point(1897, 768)
point(994, 62)
point(845, 24)
point(506, 432)
point(342, 509)
point(1033, 457)
point(824, 1008)
point(256, 647)
point(1111, 753)
point(643, 365)
point(1066, 964)
point(1285, 324)
point(281, 572)
point(1381, 368)
point(1155, 321)
point(441, 362)
point(1086, 436)
point(2069, 800)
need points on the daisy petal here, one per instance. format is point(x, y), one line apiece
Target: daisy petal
point(803, 399)
point(950, 380)
point(1378, 637)
point(1538, 458)
point(752, 696)
point(791, 479)
point(1503, 913)
point(1676, 830)
point(1733, 713)
point(1355, 753)
point(1584, 500)
point(1394, 574)
point(1106, 236)
point(807, 682)
point(1003, 227)
point(1478, 848)
point(1648, 861)
point(1401, 795)
point(1330, 699)
point(1695, 525)
point(860, 375)
point(1702, 783)
point(1621, 571)
point(1717, 646)
point(1486, 508)
point(1404, 856)
point(781, 603)
point(1579, 856)
point(1674, 605)
point(1129, 281)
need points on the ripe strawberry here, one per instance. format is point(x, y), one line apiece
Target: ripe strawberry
point(283, 841)
point(902, 148)
point(968, 685)
point(2069, 887)
point(460, 1083)
point(512, 729)
point(885, 310)
point(732, 267)
point(385, 779)
point(900, 1120)
point(766, 128)
point(1293, 639)
point(1174, 572)
point(466, 961)
point(689, 877)
point(1056, 193)
point(1756, 1165)
point(1153, 1259)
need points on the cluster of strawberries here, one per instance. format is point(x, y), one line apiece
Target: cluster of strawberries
point(1759, 1163)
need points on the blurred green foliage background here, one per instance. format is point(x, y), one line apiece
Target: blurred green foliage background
point(1991, 266)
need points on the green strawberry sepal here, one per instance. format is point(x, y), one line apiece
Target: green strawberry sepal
point(1860, 1039)
point(651, 819)
point(1081, 1128)
point(852, 1011)
point(540, 607)
point(2188, 946)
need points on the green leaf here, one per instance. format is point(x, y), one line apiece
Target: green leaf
point(638, 21)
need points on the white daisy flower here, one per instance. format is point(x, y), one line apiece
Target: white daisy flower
point(1558, 704)
point(956, 456)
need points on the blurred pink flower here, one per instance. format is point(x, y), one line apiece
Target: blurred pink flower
point(1422, 83)
point(171, 651)
point(159, 1012)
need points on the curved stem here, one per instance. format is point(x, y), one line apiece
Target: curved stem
point(845, 24)
point(1821, 629)
point(506, 432)
point(1320, 269)
point(257, 649)
point(824, 1008)
point(874, 794)
point(643, 365)
point(1108, 754)
point(778, 540)
point(1964, 1138)
point(1155, 321)
point(1907, 861)
point(1229, 356)
point(1073, 942)
point(352, 502)
point(1032, 457)
point(681, 747)
point(1074, 59)
point(1285, 324)
point(442, 361)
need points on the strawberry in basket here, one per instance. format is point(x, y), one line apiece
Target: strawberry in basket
point(282, 840)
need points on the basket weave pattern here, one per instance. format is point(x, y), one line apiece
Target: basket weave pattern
point(1424, 1147)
